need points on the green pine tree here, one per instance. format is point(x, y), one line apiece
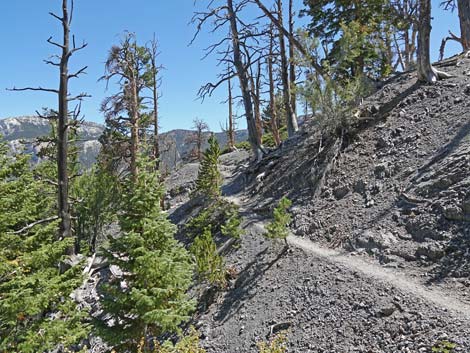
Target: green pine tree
point(209, 179)
point(209, 263)
point(36, 312)
point(97, 191)
point(278, 228)
point(150, 299)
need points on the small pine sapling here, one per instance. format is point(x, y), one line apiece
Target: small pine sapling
point(209, 179)
point(278, 344)
point(209, 263)
point(233, 221)
point(278, 228)
point(189, 343)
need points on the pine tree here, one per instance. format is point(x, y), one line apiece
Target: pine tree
point(278, 228)
point(150, 298)
point(97, 192)
point(209, 263)
point(209, 178)
point(333, 21)
point(36, 311)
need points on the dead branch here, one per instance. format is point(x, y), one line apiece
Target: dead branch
point(32, 225)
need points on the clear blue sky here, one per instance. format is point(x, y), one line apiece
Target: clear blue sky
point(26, 25)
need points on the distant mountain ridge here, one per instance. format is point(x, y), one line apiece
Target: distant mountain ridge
point(21, 133)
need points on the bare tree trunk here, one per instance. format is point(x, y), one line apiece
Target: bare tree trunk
point(156, 147)
point(291, 118)
point(278, 23)
point(243, 77)
point(292, 58)
point(231, 127)
point(272, 96)
point(464, 18)
point(255, 80)
point(65, 227)
point(134, 128)
point(426, 72)
point(63, 204)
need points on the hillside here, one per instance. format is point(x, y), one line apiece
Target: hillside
point(379, 251)
point(21, 132)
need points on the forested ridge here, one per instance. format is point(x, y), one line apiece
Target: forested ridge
point(356, 142)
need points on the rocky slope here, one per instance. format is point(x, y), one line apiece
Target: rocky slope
point(392, 198)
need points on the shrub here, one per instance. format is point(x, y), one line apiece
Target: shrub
point(278, 228)
point(231, 227)
point(444, 347)
point(209, 263)
point(277, 345)
point(187, 344)
point(244, 145)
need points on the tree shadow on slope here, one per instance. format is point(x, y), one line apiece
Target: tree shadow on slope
point(244, 287)
point(445, 151)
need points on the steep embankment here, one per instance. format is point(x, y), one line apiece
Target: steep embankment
point(396, 189)
point(399, 187)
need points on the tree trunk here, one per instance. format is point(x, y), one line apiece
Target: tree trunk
point(231, 127)
point(425, 71)
point(464, 18)
point(291, 118)
point(292, 58)
point(243, 77)
point(153, 52)
point(272, 96)
point(295, 42)
point(255, 81)
point(156, 147)
point(65, 227)
point(134, 128)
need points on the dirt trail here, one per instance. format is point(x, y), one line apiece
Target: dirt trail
point(431, 295)
point(398, 280)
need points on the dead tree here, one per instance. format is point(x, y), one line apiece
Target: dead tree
point(295, 42)
point(231, 124)
point(272, 95)
point(405, 37)
point(153, 85)
point(464, 20)
point(255, 82)
point(292, 74)
point(68, 47)
point(291, 118)
point(426, 72)
point(233, 49)
point(197, 138)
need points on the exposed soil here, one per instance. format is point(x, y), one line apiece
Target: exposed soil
point(394, 202)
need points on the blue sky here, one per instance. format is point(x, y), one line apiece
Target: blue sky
point(26, 25)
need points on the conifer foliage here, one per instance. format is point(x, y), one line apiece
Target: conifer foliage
point(209, 263)
point(150, 297)
point(36, 312)
point(278, 228)
point(209, 178)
